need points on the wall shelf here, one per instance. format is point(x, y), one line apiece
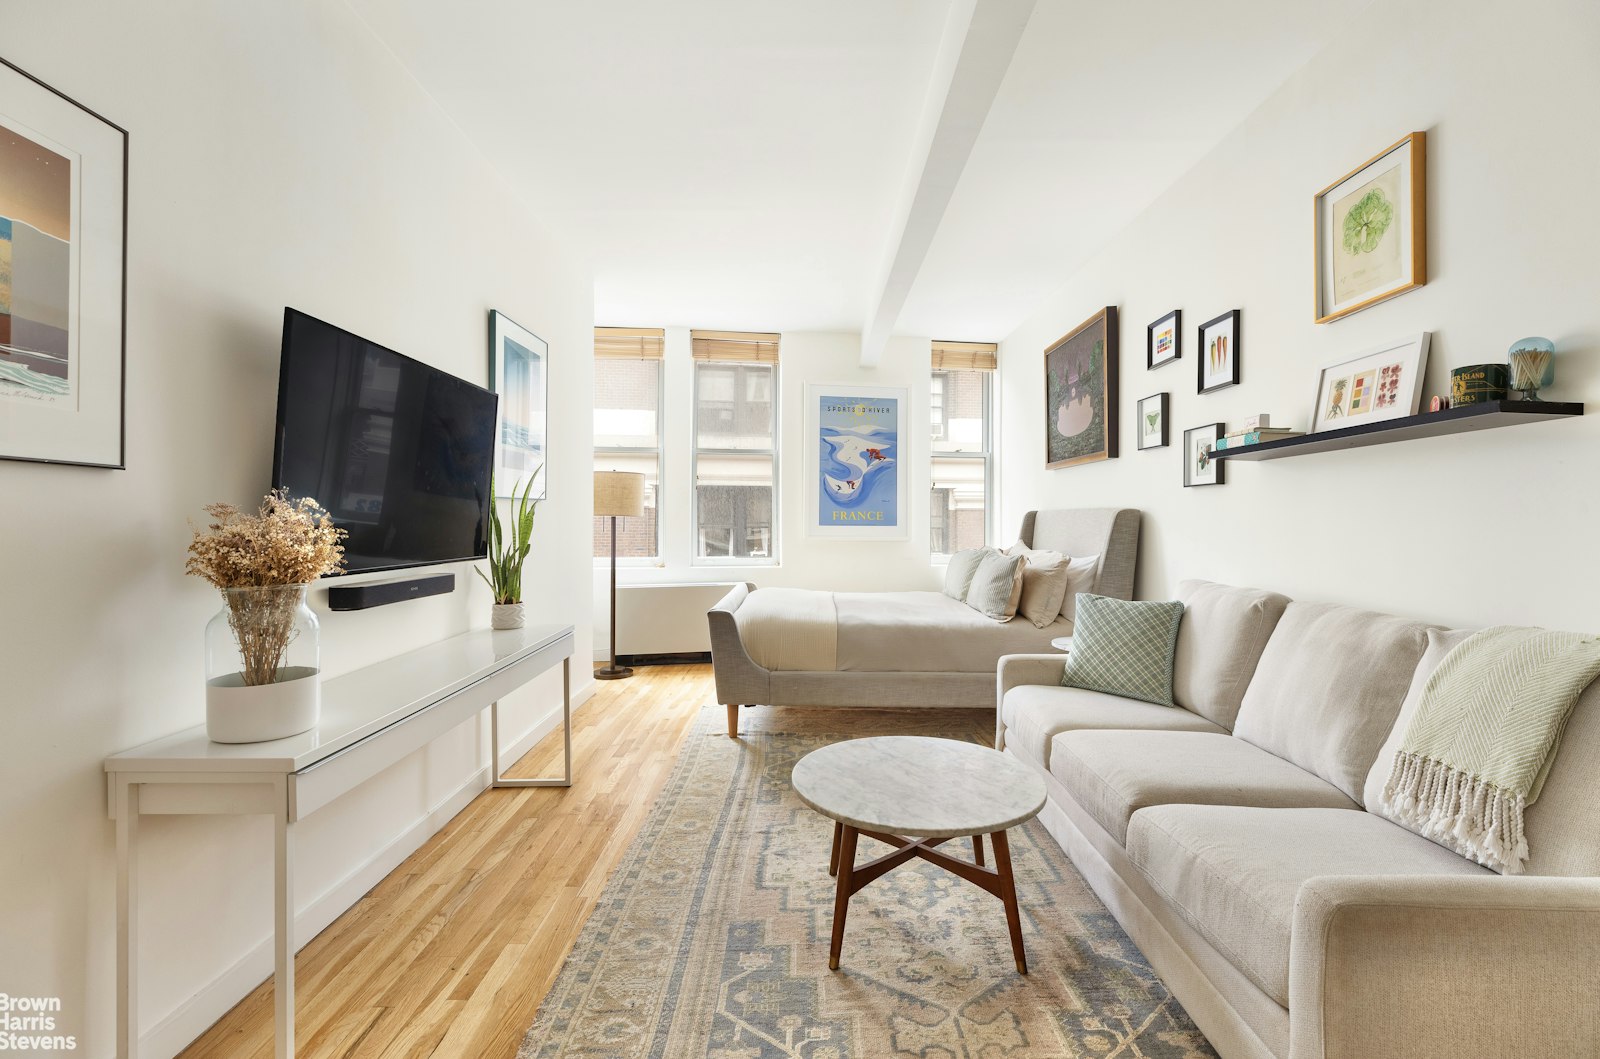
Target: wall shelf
point(1484, 416)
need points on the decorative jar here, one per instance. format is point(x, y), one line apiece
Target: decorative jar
point(263, 667)
point(1533, 366)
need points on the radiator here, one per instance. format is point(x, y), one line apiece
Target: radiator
point(665, 619)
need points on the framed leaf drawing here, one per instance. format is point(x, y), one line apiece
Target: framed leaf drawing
point(1080, 393)
point(1371, 231)
point(518, 372)
point(1153, 421)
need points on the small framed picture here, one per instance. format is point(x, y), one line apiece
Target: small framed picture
point(1163, 342)
point(518, 373)
point(1371, 241)
point(1153, 421)
point(1200, 467)
point(1219, 352)
point(1384, 382)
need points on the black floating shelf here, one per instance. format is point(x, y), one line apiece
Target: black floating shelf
point(1484, 416)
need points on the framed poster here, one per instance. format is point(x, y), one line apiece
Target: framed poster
point(1384, 382)
point(1163, 341)
point(63, 258)
point(1371, 233)
point(1219, 352)
point(1153, 421)
point(855, 437)
point(1080, 393)
point(518, 363)
point(1199, 466)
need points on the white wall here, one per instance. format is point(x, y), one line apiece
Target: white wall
point(279, 155)
point(1472, 529)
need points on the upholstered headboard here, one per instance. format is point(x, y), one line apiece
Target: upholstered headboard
point(1111, 533)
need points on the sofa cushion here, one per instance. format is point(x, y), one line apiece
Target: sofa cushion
point(1034, 714)
point(1113, 775)
point(958, 574)
point(1328, 688)
point(1233, 872)
point(997, 586)
point(1223, 633)
point(1124, 648)
point(1560, 824)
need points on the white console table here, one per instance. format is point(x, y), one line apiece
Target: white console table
point(371, 718)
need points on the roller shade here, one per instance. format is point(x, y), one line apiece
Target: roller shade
point(629, 343)
point(964, 356)
point(748, 347)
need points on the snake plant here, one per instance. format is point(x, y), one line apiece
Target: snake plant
point(506, 556)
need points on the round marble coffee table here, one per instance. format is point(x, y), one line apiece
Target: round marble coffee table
point(929, 791)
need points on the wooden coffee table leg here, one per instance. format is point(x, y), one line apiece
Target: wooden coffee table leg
point(977, 850)
point(841, 900)
point(833, 858)
point(1008, 896)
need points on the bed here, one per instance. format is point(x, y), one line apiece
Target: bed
point(800, 647)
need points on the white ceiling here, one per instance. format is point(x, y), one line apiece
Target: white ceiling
point(741, 164)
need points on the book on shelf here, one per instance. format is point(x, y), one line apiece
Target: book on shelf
point(1257, 422)
point(1256, 437)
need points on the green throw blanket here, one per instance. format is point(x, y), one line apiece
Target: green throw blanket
point(1484, 735)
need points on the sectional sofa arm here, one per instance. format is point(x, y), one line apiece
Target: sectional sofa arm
point(1015, 671)
point(1441, 967)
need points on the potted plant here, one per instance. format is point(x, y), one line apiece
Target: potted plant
point(507, 556)
point(262, 657)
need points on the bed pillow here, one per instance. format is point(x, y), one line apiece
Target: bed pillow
point(958, 575)
point(1124, 647)
point(997, 586)
point(1044, 586)
point(1080, 578)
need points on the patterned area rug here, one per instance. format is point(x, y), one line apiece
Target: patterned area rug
point(711, 939)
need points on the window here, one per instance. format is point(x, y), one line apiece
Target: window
point(627, 430)
point(961, 394)
point(735, 458)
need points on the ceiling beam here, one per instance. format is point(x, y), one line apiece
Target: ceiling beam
point(979, 41)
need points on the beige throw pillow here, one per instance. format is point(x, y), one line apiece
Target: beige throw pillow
point(958, 575)
point(1044, 586)
point(997, 586)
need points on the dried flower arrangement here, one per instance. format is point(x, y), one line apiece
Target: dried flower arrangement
point(277, 550)
point(506, 557)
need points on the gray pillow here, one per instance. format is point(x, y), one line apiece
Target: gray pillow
point(958, 575)
point(997, 586)
point(1123, 647)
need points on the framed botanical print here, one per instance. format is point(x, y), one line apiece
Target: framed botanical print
point(1153, 421)
point(1163, 341)
point(855, 436)
point(1080, 393)
point(63, 258)
point(1371, 231)
point(1200, 465)
point(518, 372)
point(1219, 352)
point(1384, 382)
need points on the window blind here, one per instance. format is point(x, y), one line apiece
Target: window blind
point(629, 343)
point(964, 356)
point(748, 347)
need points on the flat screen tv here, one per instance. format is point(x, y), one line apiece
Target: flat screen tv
point(398, 452)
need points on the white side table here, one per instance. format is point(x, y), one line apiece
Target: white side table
point(1062, 643)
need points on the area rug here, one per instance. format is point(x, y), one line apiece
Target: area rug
point(711, 938)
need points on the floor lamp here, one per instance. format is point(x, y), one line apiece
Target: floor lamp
point(617, 494)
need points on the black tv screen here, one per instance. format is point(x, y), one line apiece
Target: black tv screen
point(398, 452)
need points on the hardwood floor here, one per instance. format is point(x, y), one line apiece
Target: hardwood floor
point(451, 954)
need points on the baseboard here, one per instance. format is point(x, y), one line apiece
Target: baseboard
point(177, 1030)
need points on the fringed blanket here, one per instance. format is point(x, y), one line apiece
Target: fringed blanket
point(1485, 732)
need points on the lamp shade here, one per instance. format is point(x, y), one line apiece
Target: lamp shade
point(619, 493)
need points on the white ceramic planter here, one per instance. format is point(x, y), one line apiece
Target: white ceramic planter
point(239, 713)
point(506, 616)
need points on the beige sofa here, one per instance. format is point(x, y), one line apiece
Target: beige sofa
point(1242, 842)
point(898, 648)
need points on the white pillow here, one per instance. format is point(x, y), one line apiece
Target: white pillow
point(1080, 578)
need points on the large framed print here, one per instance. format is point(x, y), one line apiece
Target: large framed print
point(1080, 393)
point(518, 372)
point(1384, 382)
point(63, 246)
point(855, 487)
point(1371, 231)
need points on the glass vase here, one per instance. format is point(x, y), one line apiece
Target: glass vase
point(263, 665)
point(1533, 366)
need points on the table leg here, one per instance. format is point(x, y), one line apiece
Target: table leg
point(127, 806)
point(977, 850)
point(495, 779)
point(841, 900)
point(283, 937)
point(833, 858)
point(1008, 896)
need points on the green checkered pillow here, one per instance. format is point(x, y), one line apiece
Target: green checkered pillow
point(1124, 648)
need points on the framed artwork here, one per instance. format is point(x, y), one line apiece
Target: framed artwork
point(1153, 421)
point(1080, 393)
point(1371, 231)
point(63, 264)
point(518, 372)
point(1163, 342)
point(1219, 352)
point(1199, 465)
point(854, 436)
point(1384, 382)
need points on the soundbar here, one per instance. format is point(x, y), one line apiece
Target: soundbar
point(381, 594)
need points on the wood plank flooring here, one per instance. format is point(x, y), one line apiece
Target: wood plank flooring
point(451, 954)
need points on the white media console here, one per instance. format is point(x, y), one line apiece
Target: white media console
point(371, 718)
